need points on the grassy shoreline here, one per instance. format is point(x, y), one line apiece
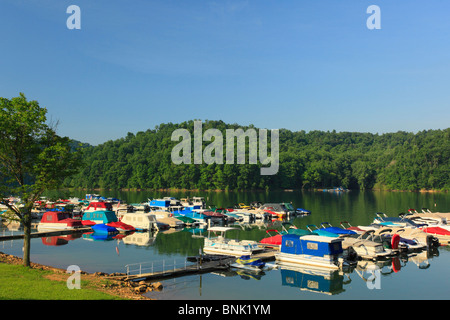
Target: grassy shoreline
point(41, 282)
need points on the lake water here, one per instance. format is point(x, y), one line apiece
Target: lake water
point(422, 276)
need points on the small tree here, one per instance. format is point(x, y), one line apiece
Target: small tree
point(33, 158)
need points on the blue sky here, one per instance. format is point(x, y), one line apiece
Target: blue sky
point(300, 65)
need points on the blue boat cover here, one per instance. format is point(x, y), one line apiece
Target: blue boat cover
point(160, 203)
point(294, 244)
point(103, 229)
point(338, 230)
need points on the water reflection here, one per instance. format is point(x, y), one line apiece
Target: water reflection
point(312, 279)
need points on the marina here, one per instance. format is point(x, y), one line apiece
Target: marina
point(133, 252)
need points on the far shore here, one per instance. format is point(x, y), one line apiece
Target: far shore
point(249, 190)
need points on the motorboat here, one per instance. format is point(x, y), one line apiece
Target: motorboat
point(383, 219)
point(247, 262)
point(98, 217)
point(121, 226)
point(277, 210)
point(365, 247)
point(290, 228)
point(215, 216)
point(98, 206)
point(404, 243)
point(199, 216)
point(336, 230)
point(58, 220)
point(423, 238)
point(302, 212)
point(140, 220)
point(167, 217)
point(321, 232)
point(273, 238)
point(314, 250)
point(245, 216)
point(233, 216)
point(348, 226)
point(258, 213)
point(222, 245)
point(103, 229)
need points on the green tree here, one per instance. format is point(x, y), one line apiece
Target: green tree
point(33, 158)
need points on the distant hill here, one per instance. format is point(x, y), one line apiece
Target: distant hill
point(315, 159)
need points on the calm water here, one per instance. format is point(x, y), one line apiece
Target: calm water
point(423, 276)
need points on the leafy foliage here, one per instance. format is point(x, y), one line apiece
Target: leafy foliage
point(316, 159)
point(33, 158)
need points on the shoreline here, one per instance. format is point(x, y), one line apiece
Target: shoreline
point(111, 284)
point(250, 190)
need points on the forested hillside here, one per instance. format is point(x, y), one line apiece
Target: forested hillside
point(316, 159)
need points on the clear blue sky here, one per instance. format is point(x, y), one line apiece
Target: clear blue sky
point(300, 65)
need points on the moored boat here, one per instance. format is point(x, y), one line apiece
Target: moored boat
point(103, 229)
point(58, 220)
point(320, 232)
point(222, 245)
point(121, 226)
point(365, 246)
point(140, 220)
point(98, 217)
point(247, 262)
point(312, 250)
point(326, 226)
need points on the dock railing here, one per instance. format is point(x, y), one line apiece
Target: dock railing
point(160, 266)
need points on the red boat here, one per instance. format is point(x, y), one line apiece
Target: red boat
point(436, 230)
point(272, 239)
point(121, 227)
point(99, 206)
point(58, 220)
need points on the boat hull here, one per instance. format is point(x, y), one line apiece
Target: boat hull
point(310, 260)
point(56, 226)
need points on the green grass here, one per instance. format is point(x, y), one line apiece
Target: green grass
point(21, 283)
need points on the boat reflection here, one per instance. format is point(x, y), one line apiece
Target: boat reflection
point(319, 280)
point(60, 240)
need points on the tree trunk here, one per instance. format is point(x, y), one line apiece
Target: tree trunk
point(26, 239)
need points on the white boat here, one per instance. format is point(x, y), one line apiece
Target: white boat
point(167, 217)
point(222, 245)
point(364, 247)
point(245, 216)
point(318, 251)
point(140, 220)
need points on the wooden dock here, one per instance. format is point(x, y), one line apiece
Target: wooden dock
point(47, 233)
point(198, 268)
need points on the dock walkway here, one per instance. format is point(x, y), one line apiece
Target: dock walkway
point(47, 233)
point(197, 268)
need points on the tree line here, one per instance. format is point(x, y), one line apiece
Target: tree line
point(315, 159)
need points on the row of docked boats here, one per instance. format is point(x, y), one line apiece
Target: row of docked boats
point(338, 247)
point(107, 215)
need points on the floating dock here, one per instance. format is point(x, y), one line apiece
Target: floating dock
point(47, 233)
point(198, 268)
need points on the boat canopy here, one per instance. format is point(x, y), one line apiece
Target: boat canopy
point(311, 245)
point(104, 216)
point(221, 229)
